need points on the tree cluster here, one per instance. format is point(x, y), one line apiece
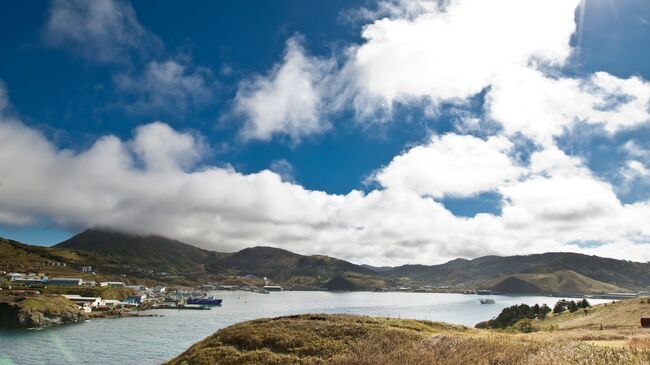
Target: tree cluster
point(524, 314)
point(564, 305)
point(511, 315)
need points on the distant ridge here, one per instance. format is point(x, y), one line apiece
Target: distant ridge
point(151, 256)
point(559, 282)
point(625, 274)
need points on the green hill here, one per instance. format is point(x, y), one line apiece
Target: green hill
point(559, 282)
point(148, 252)
point(472, 273)
point(288, 267)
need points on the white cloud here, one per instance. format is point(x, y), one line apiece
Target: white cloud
point(287, 101)
point(446, 52)
point(169, 86)
point(636, 151)
point(634, 170)
point(104, 31)
point(454, 51)
point(162, 148)
point(526, 100)
point(222, 209)
point(452, 165)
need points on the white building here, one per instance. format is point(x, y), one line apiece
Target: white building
point(114, 284)
point(86, 303)
point(14, 276)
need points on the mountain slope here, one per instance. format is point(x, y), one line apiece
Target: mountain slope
point(148, 252)
point(559, 282)
point(285, 266)
point(115, 251)
point(625, 274)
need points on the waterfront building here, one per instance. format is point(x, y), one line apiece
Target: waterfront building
point(135, 299)
point(14, 276)
point(113, 284)
point(84, 302)
point(65, 281)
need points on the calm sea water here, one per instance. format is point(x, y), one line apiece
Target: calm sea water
point(152, 340)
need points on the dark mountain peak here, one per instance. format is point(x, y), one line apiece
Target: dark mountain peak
point(145, 251)
point(106, 239)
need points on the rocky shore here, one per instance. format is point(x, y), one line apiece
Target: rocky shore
point(30, 311)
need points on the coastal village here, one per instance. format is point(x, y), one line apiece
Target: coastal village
point(129, 297)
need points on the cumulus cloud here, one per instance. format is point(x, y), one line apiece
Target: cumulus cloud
point(287, 101)
point(527, 101)
point(440, 52)
point(104, 31)
point(169, 86)
point(452, 165)
point(456, 48)
point(155, 183)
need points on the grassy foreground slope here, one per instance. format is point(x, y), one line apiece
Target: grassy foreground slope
point(346, 339)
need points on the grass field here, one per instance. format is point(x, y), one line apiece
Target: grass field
point(569, 338)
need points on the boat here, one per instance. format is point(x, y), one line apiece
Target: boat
point(195, 306)
point(209, 301)
point(487, 301)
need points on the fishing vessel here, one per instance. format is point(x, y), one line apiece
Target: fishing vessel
point(487, 301)
point(209, 301)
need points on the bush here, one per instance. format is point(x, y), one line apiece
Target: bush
point(525, 325)
point(572, 306)
point(560, 306)
point(583, 303)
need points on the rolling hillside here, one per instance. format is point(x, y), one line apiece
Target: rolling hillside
point(148, 256)
point(625, 274)
point(559, 282)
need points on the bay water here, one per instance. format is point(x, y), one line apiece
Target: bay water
point(152, 340)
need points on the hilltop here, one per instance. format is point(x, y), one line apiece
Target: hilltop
point(347, 339)
point(473, 273)
point(150, 251)
point(566, 282)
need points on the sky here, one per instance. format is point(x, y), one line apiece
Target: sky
point(380, 132)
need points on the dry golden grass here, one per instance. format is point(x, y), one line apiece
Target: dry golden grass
point(347, 340)
point(614, 315)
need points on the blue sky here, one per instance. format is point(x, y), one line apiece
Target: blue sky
point(326, 95)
